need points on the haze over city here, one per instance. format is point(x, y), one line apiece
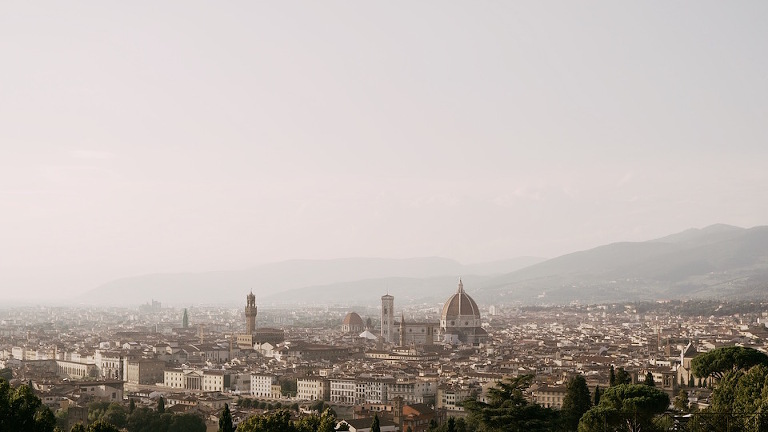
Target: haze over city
point(179, 137)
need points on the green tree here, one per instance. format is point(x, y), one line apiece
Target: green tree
point(717, 362)
point(78, 428)
point(741, 399)
point(131, 406)
point(681, 402)
point(115, 415)
point(623, 377)
point(508, 409)
point(375, 427)
point(327, 421)
point(450, 425)
point(102, 426)
point(275, 421)
point(225, 420)
point(625, 405)
point(186, 423)
point(576, 402)
point(649, 380)
point(597, 396)
point(161, 405)
point(6, 374)
point(612, 377)
point(24, 411)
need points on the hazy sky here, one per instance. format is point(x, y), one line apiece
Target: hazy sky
point(140, 137)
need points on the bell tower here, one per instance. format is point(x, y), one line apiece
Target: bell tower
point(387, 318)
point(250, 314)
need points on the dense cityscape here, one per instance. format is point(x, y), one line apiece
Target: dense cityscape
point(410, 368)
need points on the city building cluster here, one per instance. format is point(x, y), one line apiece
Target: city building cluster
point(410, 367)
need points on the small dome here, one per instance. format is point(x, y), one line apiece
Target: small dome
point(353, 320)
point(460, 305)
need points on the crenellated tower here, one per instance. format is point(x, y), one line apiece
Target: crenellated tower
point(250, 314)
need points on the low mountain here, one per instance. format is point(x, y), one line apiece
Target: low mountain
point(715, 261)
point(229, 287)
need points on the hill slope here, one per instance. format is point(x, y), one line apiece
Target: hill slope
point(712, 262)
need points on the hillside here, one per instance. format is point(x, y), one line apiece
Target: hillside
point(269, 280)
point(716, 261)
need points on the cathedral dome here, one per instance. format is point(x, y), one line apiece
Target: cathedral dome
point(460, 310)
point(352, 323)
point(353, 319)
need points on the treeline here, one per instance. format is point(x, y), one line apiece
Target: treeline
point(22, 410)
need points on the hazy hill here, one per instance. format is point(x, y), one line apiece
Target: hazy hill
point(716, 261)
point(269, 279)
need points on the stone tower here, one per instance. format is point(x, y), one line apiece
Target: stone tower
point(387, 318)
point(250, 314)
point(185, 319)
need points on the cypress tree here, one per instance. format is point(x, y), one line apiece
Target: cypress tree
point(225, 421)
point(375, 424)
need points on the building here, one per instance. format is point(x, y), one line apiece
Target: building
point(250, 313)
point(265, 386)
point(255, 335)
point(313, 388)
point(352, 323)
point(388, 318)
point(343, 390)
point(145, 371)
point(416, 333)
point(460, 320)
point(550, 396)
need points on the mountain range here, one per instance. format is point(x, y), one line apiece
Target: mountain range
point(719, 261)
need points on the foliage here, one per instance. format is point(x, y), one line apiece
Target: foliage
point(635, 405)
point(649, 380)
point(623, 377)
point(225, 420)
point(612, 377)
point(375, 427)
point(741, 395)
point(21, 410)
point(597, 395)
point(681, 401)
point(288, 387)
point(102, 426)
point(112, 413)
point(576, 402)
point(275, 421)
point(161, 405)
point(721, 360)
point(509, 410)
point(147, 420)
point(6, 374)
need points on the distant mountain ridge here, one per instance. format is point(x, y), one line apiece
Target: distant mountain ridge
point(718, 261)
point(269, 280)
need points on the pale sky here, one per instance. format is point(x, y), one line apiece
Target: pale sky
point(140, 137)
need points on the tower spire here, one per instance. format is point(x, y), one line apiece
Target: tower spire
point(461, 286)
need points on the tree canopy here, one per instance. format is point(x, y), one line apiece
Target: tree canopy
point(509, 410)
point(631, 404)
point(21, 410)
point(576, 402)
point(717, 362)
